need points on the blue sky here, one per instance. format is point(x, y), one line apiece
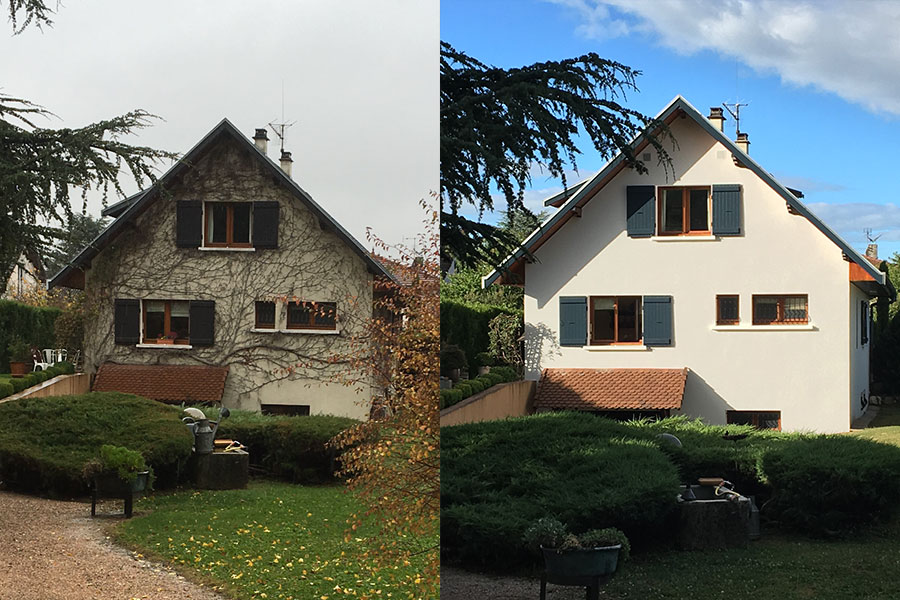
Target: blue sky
point(819, 77)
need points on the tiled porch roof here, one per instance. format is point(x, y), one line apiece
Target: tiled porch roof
point(611, 389)
point(167, 383)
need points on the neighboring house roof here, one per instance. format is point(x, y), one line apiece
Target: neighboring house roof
point(127, 210)
point(166, 383)
point(572, 206)
point(611, 389)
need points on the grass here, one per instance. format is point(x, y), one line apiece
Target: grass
point(885, 427)
point(271, 541)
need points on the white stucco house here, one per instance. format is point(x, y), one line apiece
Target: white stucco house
point(711, 292)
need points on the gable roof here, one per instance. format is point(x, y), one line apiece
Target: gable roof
point(610, 389)
point(127, 210)
point(587, 190)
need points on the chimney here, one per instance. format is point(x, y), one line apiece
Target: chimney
point(261, 139)
point(872, 251)
point(286, 162)
point(716, 117)
point(743, 142)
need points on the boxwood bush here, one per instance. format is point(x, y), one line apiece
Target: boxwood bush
point(832, 484)
point(45, 442)
point(469, 387)
point(290, 448)
point(498, 477)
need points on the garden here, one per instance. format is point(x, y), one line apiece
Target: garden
point(822, 499)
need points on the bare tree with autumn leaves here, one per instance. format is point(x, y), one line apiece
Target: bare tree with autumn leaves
point(392, 461)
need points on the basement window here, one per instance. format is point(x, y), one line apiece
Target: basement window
point(760, 419)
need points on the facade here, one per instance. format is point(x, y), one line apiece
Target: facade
point(226, 263)
point(715, 268)
point(25, 276)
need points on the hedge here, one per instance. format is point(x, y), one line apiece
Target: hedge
point(497, 477)
point(34, 325)
point(44, 442)
point(466, 325)
point(468, 387)
point(17, 384)
point(290, 448)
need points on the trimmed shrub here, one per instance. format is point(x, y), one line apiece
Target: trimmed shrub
point(32, 324)
point(452, 357)
point(290, 448)
point(45, 442)
point(464, 386)
point(498, 477)
point(485, 359)
point(450, 397)
point(506, 372)
point(832, 484)
point(476, 384)
point(6, 389)
point(466, 325)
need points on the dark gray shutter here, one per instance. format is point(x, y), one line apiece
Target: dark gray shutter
point(726, 207)
point(863, 323)
point(127, 321)
point(202, 322)
point(188, 223)
point(265, 224)
point(572, 320)
point(641, 210)
point(657, 320)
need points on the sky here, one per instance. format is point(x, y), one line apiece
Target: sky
point(819, 77)
point(360, 82)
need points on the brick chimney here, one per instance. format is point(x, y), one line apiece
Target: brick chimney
point(743, 142)
point(872, 251)
point(716, 117)
point(261, 139)
point(286, 162)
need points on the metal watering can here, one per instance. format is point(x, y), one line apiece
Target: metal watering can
point(199, 424)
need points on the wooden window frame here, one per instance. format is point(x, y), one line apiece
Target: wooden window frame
point(719, 319)
point(755, 417)
point(685, 210)
point(779, 317)
point(312, 315)
point(260, 325)
point(167, 322)
point(615, 341)
point(229, 226)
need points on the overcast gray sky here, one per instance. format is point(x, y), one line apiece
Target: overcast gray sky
point(360, 79)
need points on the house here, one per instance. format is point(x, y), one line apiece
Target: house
point(26, 274)
point(707, 289)
point(225, 281)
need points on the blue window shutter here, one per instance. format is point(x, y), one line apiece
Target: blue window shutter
point(572, 320)
point(657, 320)
point(726, 201)
point(641, 210)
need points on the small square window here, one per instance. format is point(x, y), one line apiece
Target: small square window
point(727, 310)
point(265, 315)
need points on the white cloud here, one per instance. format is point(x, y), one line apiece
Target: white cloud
point(850, 219)
point(847, 47)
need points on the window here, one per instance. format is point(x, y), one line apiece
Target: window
point(312, 315)
point(615, 319)
point(166, 322)
point(727, 310)
point(228, 224)
point(683, 211)
point(780, 310)
point(759, 419)
point(863, 323)
point(265, 315)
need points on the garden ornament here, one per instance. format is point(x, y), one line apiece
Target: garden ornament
point(204, 434)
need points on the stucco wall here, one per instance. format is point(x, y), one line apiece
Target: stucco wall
point(801, 372)
point(30, 281)
point(310, 264)
point(859, 356)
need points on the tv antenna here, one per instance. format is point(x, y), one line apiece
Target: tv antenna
point(868, 232)
point(279, 128)
point(736, 113)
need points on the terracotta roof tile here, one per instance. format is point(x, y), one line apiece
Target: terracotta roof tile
point(611, 389)
point(166, 383)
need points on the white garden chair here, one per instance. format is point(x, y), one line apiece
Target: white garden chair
point(39, 363)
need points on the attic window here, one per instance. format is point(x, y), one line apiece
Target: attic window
point(227, 224)
point(684, 210)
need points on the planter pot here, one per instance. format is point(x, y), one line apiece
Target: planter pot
point(18, 369)
point(108, 485)
point(484, 370)
point(589, 562)
point(164, 341)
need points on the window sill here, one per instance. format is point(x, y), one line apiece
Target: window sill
point(310, 331)
point(166, 346)
point(684, 238)
point(618, 347)
point(225, 249)
point(264, 330)
point(807, 327)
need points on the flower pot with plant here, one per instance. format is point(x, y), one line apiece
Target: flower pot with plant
point(118, 473)
point(584, 559)
point(19, 357)
point(162, 338)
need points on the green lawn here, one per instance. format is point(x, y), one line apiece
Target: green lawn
point(885, 427)
point(272, 540)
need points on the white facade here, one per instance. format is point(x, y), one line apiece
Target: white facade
point(24, 279)
point(803, 371)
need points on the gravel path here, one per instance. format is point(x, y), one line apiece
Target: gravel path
point(457, 584)
point(51, 550)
